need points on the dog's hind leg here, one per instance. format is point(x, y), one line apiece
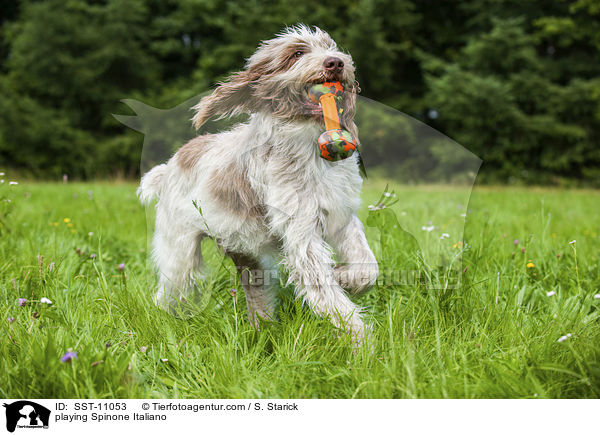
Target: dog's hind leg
point(178, 259)
point(257, 278)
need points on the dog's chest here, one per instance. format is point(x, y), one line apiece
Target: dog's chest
point(335, 186)
point(337, 190)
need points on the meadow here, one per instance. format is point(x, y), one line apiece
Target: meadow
point(77, 318)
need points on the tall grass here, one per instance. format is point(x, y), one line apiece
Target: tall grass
point(497, 335)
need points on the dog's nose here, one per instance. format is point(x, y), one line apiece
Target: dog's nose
point(333, 64)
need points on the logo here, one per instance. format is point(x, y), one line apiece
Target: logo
point(26, 414)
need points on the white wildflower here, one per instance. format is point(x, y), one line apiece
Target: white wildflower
point(572, 242)
point(551, 293)
point(445, 236)
point(597, 296)
point(45, 301)
point(563, 338)
point(428, 228)
point(12, 183)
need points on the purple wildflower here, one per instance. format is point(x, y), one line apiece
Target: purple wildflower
point(22, 302)
point(11, 319)
point(121, 267)
point(516, 242)
point(68, 356)
point(93, 256)
point(233, 292)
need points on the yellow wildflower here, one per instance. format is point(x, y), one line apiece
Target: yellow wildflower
point(66, 220)
point(530, 265)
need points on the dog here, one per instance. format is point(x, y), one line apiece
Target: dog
point(262, 191)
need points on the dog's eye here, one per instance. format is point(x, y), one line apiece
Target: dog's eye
point(298, 53)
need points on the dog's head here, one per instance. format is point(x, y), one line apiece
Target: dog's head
point(278, 75)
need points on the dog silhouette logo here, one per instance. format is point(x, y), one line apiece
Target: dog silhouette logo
point(26, 414)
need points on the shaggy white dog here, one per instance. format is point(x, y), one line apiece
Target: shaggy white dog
point(262, 190)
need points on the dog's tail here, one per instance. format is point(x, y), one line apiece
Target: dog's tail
point(151, 184)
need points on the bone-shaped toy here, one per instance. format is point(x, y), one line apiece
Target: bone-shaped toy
point(335, 143)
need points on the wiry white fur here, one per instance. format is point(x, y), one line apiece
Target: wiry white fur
point(151, 184)
point(309, 203)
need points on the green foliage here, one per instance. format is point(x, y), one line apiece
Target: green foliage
point(517, 83)
point(496, 336)
point(70, 64)
point(500, 97)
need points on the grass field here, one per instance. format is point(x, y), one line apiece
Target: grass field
point(498, 335)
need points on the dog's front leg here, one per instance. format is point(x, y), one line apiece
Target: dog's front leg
point(310, 264)
point(357, 269)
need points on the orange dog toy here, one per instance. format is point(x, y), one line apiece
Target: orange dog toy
point(335, 143)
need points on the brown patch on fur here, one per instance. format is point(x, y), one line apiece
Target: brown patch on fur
point(231, 188)
point(189, 154)
point(287, 58)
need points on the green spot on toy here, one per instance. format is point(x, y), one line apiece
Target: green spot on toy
point(335, 144)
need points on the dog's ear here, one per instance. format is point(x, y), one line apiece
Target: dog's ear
point(229, 98)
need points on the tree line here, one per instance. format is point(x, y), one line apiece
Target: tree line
point(515, 82)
